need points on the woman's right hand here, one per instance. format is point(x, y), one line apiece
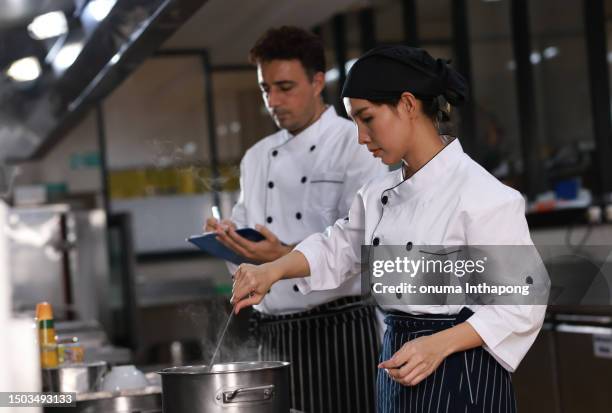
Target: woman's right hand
point(252, 283)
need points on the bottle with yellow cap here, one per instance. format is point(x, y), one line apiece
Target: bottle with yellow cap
point(46, 335)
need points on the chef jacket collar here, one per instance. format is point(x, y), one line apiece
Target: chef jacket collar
point(432, 173)
point(311, 135)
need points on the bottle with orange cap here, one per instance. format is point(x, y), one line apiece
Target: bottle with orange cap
point(46, 335)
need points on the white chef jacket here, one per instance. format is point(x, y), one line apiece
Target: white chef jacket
point(451, 200)
point(299, 185)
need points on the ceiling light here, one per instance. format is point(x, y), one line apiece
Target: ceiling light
point(99, 9)
point(332, 75)
point(48, 25)
point(535, 57)
point(67, 55)
point(550, 52)
point(115, 59)
point(24, 70)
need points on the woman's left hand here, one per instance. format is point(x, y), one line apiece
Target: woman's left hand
point(416, 360)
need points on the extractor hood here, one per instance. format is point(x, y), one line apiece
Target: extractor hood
point(35, 114)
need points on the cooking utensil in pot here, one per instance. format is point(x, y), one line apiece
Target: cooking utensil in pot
point(220, 340)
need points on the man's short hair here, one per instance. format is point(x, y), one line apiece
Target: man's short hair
point(288, 43)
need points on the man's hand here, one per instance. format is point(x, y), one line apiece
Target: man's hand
point(263, 251)
point(213, 225)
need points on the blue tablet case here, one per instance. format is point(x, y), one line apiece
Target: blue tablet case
point(208, 242)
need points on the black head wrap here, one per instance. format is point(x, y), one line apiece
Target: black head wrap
point(385, 72)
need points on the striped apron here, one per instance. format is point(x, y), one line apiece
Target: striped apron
point(466, 382)
point(332, 349)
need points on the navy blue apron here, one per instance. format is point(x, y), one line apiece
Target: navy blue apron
point(465, 382)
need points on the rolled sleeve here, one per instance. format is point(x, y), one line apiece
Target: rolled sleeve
point(508, 331)
point(310, 251)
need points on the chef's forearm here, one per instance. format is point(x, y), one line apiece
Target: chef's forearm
point(460, 338)
point(292, 265)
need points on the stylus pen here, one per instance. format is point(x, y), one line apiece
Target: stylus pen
point(216, 213)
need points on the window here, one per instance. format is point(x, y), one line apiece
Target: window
point(497, 135)
point(565, 142)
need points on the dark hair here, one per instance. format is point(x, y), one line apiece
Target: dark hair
point(437, 109)
point(288, 43)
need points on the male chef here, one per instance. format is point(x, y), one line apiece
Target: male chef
point(296, 182)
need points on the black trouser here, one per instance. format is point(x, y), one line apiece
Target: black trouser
point(332, 349)
point(465, 382)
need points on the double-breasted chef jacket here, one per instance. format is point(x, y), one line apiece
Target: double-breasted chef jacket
point(297, 185)
point(451, 200)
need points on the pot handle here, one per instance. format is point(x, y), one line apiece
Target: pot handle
point(246, 394)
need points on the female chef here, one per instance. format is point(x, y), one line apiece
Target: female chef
point(435, 358)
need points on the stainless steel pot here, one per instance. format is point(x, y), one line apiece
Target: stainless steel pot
point(246, 387)
point(79, 378)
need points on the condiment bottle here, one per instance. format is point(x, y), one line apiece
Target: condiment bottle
point(46, 335)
